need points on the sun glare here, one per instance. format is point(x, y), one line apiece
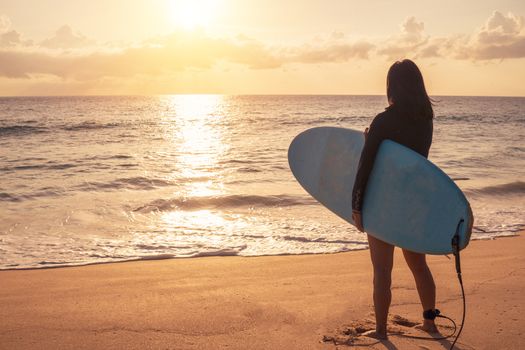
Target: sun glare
point(191, 14)
point(199, 139)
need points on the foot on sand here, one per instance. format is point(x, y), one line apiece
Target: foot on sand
point(428, 327)
point(375, 335)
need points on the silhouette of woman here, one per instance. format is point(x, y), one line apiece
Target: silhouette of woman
point(408, 121)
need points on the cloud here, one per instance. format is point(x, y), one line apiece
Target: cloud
point(501, 37)
point(70, 55)
point(10, 38)
point(410, 40)
point(16, 64)
point(333, 53)
point(65, 38)
point(172, 53)
point(501, 26)
point(412, 29)
point(5, 23)
point(337, 35)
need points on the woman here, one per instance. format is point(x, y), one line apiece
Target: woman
point(408, 121)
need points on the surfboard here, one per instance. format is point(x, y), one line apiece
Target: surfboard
point(409, 202)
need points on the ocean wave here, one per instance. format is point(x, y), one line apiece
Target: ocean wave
point(249, 170)
point(220, 252)
point(512, 188)
point(337, 120)
point(223, 202)
point(237, 161)
point(115, 156)
point(8, 197)
point(131, 183)
point(21, 130)
point(128, 165)
point(134, 183)
point(43, 192)
point(481, 231)
point(40, 167)
point(108, 259)
point(89, 126)
point(321, 240)
point(143, 246)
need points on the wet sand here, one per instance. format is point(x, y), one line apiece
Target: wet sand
point(281, 302)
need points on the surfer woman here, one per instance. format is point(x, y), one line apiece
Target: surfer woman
point(408, 121)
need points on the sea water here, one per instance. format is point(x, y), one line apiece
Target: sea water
point(102, 179)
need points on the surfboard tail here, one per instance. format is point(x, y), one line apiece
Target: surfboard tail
point(470, 225)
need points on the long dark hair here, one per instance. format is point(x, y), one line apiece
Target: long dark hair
point(405, 88)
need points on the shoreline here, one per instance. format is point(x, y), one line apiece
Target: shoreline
point(269, 302)
point(153, 258)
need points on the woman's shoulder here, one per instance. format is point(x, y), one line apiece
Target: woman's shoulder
point(383, 118)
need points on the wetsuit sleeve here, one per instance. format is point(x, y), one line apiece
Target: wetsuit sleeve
point(366, 162)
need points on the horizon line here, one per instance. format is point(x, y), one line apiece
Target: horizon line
point(259, 94)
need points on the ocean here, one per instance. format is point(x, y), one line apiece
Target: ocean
point(102, 179)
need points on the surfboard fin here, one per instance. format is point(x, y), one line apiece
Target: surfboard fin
point(455, 250)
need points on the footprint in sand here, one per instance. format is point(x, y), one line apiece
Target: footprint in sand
point(354, 333)
point(349, 334)
point(401, 321)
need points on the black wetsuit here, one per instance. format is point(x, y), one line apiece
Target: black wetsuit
point(392, 125)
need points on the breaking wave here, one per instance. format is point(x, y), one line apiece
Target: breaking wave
point(224, 202)
point(512, 188)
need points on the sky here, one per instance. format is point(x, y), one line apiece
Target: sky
point(117, 47)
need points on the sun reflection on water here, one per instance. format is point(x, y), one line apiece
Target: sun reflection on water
point(198, 140)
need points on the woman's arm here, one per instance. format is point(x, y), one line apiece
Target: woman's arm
point(373, 139)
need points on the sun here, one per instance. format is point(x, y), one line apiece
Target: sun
point(192, 14)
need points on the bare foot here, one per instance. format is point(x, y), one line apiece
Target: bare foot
point(428, 326)
point(375, 334)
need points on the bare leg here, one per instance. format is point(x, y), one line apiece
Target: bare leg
point(382, 255)
point(425, 284)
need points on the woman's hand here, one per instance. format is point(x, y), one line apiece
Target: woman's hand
point(366, 133)
point(358, 220)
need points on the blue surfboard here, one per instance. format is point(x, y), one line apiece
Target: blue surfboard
point(409, 202)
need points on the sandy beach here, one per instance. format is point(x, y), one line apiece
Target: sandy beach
point(278, 302)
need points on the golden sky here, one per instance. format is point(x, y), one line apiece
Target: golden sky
point(59, 47)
